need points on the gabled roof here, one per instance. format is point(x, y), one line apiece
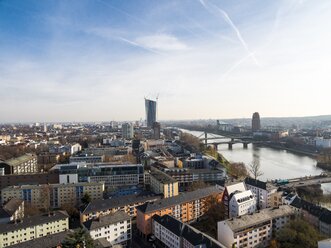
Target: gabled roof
point(240, 187)
point(10, 208)
point(106, 220)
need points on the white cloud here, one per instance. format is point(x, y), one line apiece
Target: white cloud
point(162, 42)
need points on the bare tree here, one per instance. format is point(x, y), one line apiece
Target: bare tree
point(255, 169)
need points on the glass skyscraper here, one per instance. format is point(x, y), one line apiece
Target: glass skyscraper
point(150, 107)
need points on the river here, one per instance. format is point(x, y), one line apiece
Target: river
point(274, 163)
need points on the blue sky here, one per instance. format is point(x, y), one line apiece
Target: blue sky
point(93, 60)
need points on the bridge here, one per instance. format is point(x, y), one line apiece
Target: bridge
point(230, 140)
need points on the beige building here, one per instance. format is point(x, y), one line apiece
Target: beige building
point(26, 164)
point(253, 230)
point(33, 228)
point(161, 183)
point(53, 195)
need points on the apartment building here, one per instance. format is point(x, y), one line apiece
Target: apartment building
point(115, 228)
point(26, 164)
point(87, 158)
point(253, 229)
point(53, 195)
point(127, 203)
point(242, 203)
point(263, 192)
point(176, 234)
point(161, 183)
point(187, 207)
point(33, 228)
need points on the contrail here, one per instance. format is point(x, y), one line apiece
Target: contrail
point(233, 67)
point(234, 27)
point(140, 46)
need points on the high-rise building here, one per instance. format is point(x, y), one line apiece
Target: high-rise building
point(156, 130)
point(127, 131)
point(150, 107)
point(256, 123)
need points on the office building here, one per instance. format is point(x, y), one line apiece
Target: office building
point(187, 207)
point(127, 203)
point(255, 229)
point(161, 183)
point(34, 227)
point(114, 176)
point(256, 123)
point(53, 195)
point(151, 108)
point(87, 158)
point(115, 228)
point(127, 131)
point(26, 164)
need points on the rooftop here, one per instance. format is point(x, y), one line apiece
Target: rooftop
point(115, 202)
point(44, 242)
point(33, 221)
point(162, 177)
point(246, 221)
point(19, 160)
point(181, 198)
point(10, 207)
point(106, 220)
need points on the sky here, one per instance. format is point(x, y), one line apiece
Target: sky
point(96, 60)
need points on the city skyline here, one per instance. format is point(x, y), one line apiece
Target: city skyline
point(96, 60)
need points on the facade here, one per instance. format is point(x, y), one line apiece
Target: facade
point(75, 148)
point(186, 207)
point(127, 131)
point(116, 228)
point(176, 234)
point(48, 158)
point(12, 211)
point(156, 130)
point(26, 164)
point(87, 158)
point(33, 228)
point(256, 123)
point(127, 203)
point(53, 195)
point(255, 229)
point(114, 176)
point(263, 192)
point(161, 183)
point(242, 203)
point(150, 107)
point(229, 191)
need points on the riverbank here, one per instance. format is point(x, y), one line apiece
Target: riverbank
point(293, 150)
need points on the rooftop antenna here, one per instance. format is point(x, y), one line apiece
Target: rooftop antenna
point(157, 107)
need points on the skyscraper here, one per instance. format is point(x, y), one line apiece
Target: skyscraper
point(127, 131)
point(150, 107)
point(256, 124)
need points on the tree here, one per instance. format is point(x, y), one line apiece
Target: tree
point(79, 239)
point(238, 170)
point(255, 169)
point(86, 199)
point(298, 233)
point(197, 185)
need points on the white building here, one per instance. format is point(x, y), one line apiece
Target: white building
point(255, 229)
point(326, 243)
point(242, 203)
point(75, 148)
point(116, 228)
point(167, 230)
point(127, 131)
point(262, 192)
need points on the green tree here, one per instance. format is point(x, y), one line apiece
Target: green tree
point(296, 234)
point(79, 239)
point(86, 199)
